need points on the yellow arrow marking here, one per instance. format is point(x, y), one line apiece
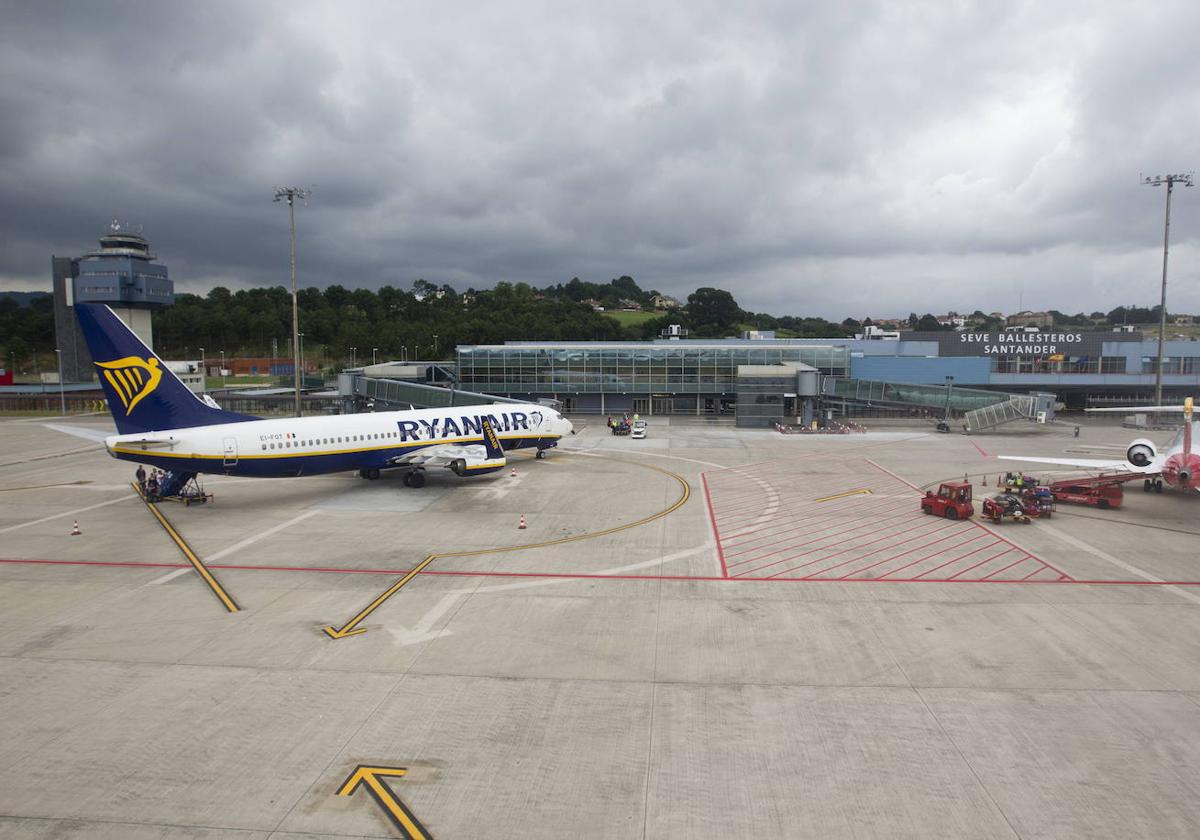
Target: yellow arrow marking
point(862, 491)
point(199, 566)
point(404, 819)
point(349, 628)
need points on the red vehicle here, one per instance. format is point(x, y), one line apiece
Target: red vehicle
point(952, 500)
point(1039, 502)
point(1005, 506)
point(1103, 492)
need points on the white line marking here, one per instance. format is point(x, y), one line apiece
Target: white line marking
point(643, 452)
point(238, 546)
point(1121, 564)
point(423, 629)
point(67, 513)
point(169, 576)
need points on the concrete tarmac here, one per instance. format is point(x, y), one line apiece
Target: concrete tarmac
point(762, 660)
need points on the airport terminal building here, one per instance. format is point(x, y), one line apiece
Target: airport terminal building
point(713, 377)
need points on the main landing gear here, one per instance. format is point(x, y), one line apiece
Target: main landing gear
point(416, 478)
point(541, 453)
point(1154, 484)
point(371, 474)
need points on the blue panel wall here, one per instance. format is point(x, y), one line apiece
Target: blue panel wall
point(966, 370)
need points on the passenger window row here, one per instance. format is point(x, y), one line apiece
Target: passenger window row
point(296, 444)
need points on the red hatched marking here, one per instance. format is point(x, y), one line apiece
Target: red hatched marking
point(776, 529)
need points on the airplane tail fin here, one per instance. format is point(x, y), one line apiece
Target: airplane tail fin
point(143, 395)
point(1187, 430)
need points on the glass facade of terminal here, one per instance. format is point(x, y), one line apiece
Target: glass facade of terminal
point(666, 367)
point(666, 377)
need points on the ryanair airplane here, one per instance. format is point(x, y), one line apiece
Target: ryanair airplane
point(161, 423)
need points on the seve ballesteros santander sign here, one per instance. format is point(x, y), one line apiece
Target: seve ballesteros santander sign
point(1020, 343)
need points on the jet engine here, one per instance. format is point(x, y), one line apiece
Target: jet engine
point(1140, 453)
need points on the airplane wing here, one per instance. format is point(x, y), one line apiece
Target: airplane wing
point(1153, 468)
point(464, 459)
point(442, 456)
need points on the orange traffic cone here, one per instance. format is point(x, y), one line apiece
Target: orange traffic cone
point(75, 532)
point(985, 479)
point(521, 524)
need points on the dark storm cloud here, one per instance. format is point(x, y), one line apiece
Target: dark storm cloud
point(862, 158)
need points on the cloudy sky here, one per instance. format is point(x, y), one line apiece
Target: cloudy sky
point(834, 159)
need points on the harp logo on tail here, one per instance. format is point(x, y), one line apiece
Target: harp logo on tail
point(131, 378)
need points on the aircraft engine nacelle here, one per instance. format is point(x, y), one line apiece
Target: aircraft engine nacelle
point(1140, 453)
point(459, 467)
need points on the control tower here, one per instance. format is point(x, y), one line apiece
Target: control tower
point(121, 273)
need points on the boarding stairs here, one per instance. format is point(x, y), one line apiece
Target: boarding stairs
point(1016, 407)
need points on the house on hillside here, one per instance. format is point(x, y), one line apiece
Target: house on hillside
point(628, 305)
point(664, 302)
point(1030, 319)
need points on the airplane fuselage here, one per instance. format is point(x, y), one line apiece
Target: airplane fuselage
point(286, 447)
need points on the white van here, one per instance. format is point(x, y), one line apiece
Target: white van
point(639, 430)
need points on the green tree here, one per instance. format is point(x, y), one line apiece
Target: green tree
point(713, 312)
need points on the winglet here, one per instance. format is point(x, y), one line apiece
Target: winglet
point(495, 452)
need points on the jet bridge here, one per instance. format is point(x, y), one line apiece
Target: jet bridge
point(394, 394)
point(978, 408)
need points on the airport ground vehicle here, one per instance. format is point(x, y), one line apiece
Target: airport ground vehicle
point(1102, 491)
point(1005, 506)
point(1089, 491)
point(1039, 502)
point(952, 500)
point(1016, 482)
point(639, 430)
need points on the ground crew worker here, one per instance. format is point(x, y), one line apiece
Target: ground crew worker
point(1076, 431)
point(141, 479)
point(152, 486)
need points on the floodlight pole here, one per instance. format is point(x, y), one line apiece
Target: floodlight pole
point(62, 397)
point(1186, 179)
point(291, 194)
